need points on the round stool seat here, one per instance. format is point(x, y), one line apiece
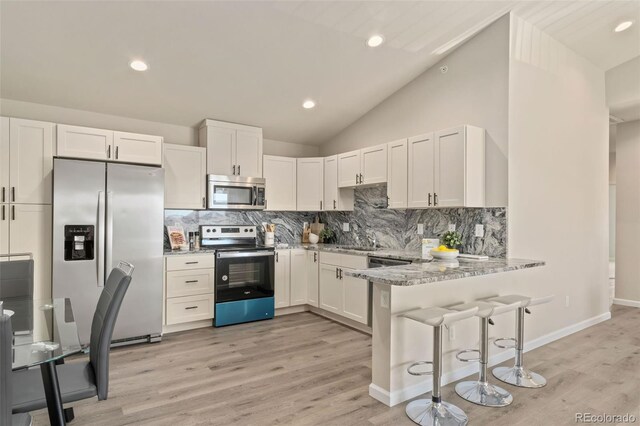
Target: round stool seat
point(487, 309)
point(436, 316)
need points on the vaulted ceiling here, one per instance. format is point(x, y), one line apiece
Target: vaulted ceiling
point(255, 62)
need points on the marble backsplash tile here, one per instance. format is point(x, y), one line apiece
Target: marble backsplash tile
point(394, 229)
point(397, 228)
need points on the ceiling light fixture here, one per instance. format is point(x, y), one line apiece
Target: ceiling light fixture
point(375, 40)
point(139, 65)
point(623, 26)
point(308, 104)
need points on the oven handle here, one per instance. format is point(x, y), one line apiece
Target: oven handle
point(232, 254)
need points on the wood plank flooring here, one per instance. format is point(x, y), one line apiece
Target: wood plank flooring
point(302, 369)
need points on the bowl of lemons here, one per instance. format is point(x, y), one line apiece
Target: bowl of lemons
point(444, 253)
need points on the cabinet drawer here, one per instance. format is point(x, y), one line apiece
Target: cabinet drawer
point(190, 282)
point(353, 261)
point(190, 308)
point(183, 261)
point(330, 258)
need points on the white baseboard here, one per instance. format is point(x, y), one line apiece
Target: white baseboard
point(626, 302)
point(396, 397)
point(174, 328)
point(291, 310)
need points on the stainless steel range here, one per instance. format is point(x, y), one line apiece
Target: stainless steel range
point(244, 274)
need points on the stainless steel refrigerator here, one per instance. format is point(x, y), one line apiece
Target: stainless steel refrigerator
point(104, 213)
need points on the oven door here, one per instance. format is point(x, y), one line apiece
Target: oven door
point(242, 275)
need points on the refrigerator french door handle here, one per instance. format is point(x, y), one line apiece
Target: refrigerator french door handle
point(100, 237)
point(108, 243)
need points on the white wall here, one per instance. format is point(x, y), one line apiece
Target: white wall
point(628, 212)
point(172, 133)
point(558, 174)
point(473, 91)
point(623, 90)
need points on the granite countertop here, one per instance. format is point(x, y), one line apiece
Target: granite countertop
point(424, 273)
point(410, 255)
point(178, 252)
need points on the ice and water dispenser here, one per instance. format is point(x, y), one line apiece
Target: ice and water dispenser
point(78, 242)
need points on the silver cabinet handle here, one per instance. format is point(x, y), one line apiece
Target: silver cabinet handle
point(190, 281)
point(320, 204)
point(357, 178)
point(234, 169)
point(315, 256)
point(429, 202)
point(3, 191)
point(204, 202)
point(435, 199)
point(340, 273)
point(238, 169)
point(117, 151)
point(13, 193)
point(191, 263)
point(13, 212)
point(334, 204)
point(337, 273)
point(277, 257)
point(109, 151)
point(3, 215)
point(191, 307)
point(361, 178)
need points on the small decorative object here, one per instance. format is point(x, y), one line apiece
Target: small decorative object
point(176, 238)
point(452, 239)
point(427, 245)
point(328, 236)
point(444, 253)
point(313, 238)
point(270, 234)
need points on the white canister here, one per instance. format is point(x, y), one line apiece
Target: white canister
point(269, 238)
point(427, 245)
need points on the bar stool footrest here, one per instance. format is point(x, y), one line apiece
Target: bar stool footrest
point(412, 368)
point(461, 358)
point(499, 343)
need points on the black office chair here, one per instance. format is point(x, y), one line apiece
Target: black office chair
point(16, 284)
point(6, 385)
point(81, 380)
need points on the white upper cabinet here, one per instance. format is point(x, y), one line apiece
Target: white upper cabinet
point(459, 167)
point(232, 149)
point(282, 277)
point(373, 168)
point(397, 174)
point(349, 169)
point(4, 162)
point(280, 175)
point(84, 142)
point(421, 156)
point(367, 166)
point(335, 198)
point(310, 184)
point(100, 144)
point(137, 148)
point(249, 153)
point(185, 174)
point(298, 291)
point(30, 161)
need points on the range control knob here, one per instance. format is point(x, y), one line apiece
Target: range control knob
point(246, 230)
point(208, 230)
point(214, 230)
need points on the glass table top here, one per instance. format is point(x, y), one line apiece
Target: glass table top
point(44, 330)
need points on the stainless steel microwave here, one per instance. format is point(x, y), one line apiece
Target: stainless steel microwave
point(235, 192)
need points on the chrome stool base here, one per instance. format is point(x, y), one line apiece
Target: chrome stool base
point(428, 413)
point(519, 376)
point(484, 394)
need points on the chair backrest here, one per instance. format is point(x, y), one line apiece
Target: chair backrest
point(104, 321)
point(6, 340)
point(16, 282)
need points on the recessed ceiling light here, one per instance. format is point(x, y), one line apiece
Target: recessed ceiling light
point(375, 40)
point(623, 26)
point(138, 65)
point(308, 104)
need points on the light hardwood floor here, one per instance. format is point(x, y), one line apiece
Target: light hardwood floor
point(303, 369)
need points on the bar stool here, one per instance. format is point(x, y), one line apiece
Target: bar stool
point(518, 375)
point(435, 411)
point(481, 392)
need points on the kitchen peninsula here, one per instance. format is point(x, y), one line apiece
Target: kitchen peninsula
point(398, 342)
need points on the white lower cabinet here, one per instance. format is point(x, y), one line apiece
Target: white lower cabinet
point(282, 285)
point(312, 264)
point(189, 288)
point(298, 277)
point(341, 294)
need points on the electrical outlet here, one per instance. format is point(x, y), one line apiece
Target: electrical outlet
point(452, 227)
point(566, 301)
point(345, 227)
point(479, 230)
point(420, 229)
point(452, 333)
point(385, 300)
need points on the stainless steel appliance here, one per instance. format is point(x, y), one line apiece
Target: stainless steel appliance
point(244, 274)
point(104, 213)
point(235, 192)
